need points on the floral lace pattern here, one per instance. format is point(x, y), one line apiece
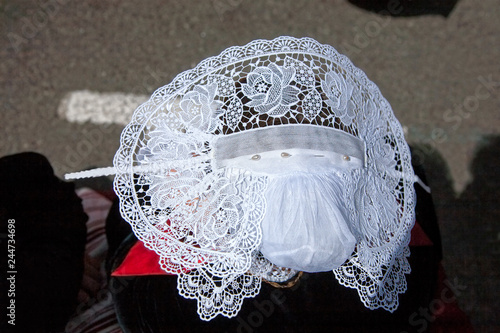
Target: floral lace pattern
point(217, 295)
point(270, 91)
point(204, 221)
point(270, 272)
point(199, 108)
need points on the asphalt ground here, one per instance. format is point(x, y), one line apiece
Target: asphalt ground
point(440, 73)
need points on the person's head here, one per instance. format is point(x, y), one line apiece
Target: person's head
point(270, 158)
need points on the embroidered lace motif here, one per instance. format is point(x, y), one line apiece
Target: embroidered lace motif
point(204, 221)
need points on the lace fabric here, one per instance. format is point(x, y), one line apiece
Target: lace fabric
point(204, 219)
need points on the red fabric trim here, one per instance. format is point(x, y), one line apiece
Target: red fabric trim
point(446, 315)
point(419, 237)
point(142, 261)
point(442, 315)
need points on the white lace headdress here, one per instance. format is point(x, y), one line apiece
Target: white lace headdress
point(271, 158)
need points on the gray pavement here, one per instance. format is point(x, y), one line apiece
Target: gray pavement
point(441, 76)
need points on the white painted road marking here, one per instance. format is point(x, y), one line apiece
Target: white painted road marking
point(99, 108)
